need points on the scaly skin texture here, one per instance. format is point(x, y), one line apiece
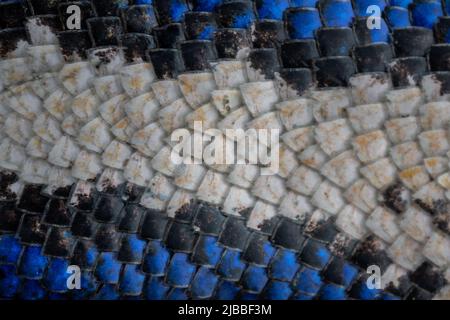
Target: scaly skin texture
point(87, 178)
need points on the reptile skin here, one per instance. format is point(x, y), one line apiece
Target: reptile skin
point(86, 179)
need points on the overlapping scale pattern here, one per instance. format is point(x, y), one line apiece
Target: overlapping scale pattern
point(86, 180)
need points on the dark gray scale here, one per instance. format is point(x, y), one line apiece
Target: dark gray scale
point(259, 250)
point(9, 38)
point(108, 208)
point(234, 234)
point(209, 220)
point(7, 178)
point(105, 31)
point(32, 199)
point(407, 71)
point(167, 63)
point(181, 237)
point(154, 225)
point(416, 293)
point(58, 213)
point(324, 230)
point(412, 41)
point(297, 79)
point(107, 238)
point(131, 217)
point(229, 42)
point(136, 45)
point(10, 217)
point(334, 71)
point(13, 14)
point(263, 63)
point(268, 34)
point(132, 193)
point(299, 53)
point(187, 212)
point(199, 25)
point(442, 28)
point(31, 230)
point(373, 57)
point(83, 225)
point(74, 44)
point(371, 251)
point(197, 54)
point(139, 19)
point(84, 255)
point(288, 234)
point(58, 243)
point(168, 36)
point(439, 57)
point(428, 277)
point(335, 41)
point(105, 8)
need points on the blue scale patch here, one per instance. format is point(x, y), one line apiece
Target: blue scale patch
point(56, 277)
point(277, 290)
point(32, 290)
point(381, 34)
point(207, 33)
point(177, 10)
point(156, 259)
point(446, 4)
point(10, 248)
point(205, 5)
point(397, 17)
point(271, 9)
point(389, 296)
point(426, 13)
point(304, 3)
point(155, 288)
point(243, 20)
point(208, 250)
point(361, 290)
point(90, 257)
point(401, 3)
point(227, 290)
point(308, 281)
point(302, 296)
point(89, 286)
point(332, 292)
point(107, 292)
point(303, 23)
point(315, 254)
point(180, 271)
point(132, 280)
point(284, 265)
point(269, 251)
point(177, 294)
point(204, 283)
point(349, 273)
point(132, 248)
point(108, 268)
point(32, 263)
point(254, 279)
point(337, 13)
point(249, 296)
point(231, 266)
point(9, 282)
